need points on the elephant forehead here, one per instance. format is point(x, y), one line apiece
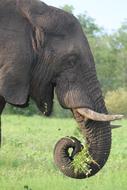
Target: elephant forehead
point(66, 45)
point(67, 48)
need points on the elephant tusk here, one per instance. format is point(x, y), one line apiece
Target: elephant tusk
point(90, 114)
point(115, 126)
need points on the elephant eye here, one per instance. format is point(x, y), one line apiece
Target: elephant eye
point(72, 61)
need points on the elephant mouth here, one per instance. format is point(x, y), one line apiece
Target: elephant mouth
point(86, 113)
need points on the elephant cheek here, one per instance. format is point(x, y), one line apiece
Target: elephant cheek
point(74, 97)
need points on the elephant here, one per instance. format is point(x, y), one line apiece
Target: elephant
point(44, 50)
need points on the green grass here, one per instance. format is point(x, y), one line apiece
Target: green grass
point(26, 156)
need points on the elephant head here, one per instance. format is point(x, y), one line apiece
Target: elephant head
point(56, 54)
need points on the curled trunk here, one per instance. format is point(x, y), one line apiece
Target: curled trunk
point(98, 137)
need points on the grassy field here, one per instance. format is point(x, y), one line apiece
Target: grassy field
point(26, 156)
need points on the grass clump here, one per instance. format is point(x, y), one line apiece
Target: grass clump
point(82, 161)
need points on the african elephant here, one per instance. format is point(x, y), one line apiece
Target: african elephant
point(42, 48)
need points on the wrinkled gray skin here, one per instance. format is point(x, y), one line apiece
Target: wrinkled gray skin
point(42, 47)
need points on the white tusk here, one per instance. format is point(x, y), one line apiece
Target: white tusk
point(90, 114)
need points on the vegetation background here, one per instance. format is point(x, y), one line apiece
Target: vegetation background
point(26, 156)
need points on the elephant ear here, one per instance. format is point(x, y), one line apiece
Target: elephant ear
point(15, 69)
point(15, 62)
point(15, 55)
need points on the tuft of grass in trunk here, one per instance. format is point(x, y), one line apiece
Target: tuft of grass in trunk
point(82, 161)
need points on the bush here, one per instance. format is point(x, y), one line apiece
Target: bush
point(28, 111)
point(116, 101)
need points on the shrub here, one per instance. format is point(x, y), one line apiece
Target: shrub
point(29, 111)
point(116, 101)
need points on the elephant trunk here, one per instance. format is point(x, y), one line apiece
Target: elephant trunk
point(98, 138)
point(95, 127)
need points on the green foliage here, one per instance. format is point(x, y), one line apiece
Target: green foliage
point(119, 45)
point(116, 101)
point(68, 8)
point(90, 28)
point(108, 69)
point(82, 161)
